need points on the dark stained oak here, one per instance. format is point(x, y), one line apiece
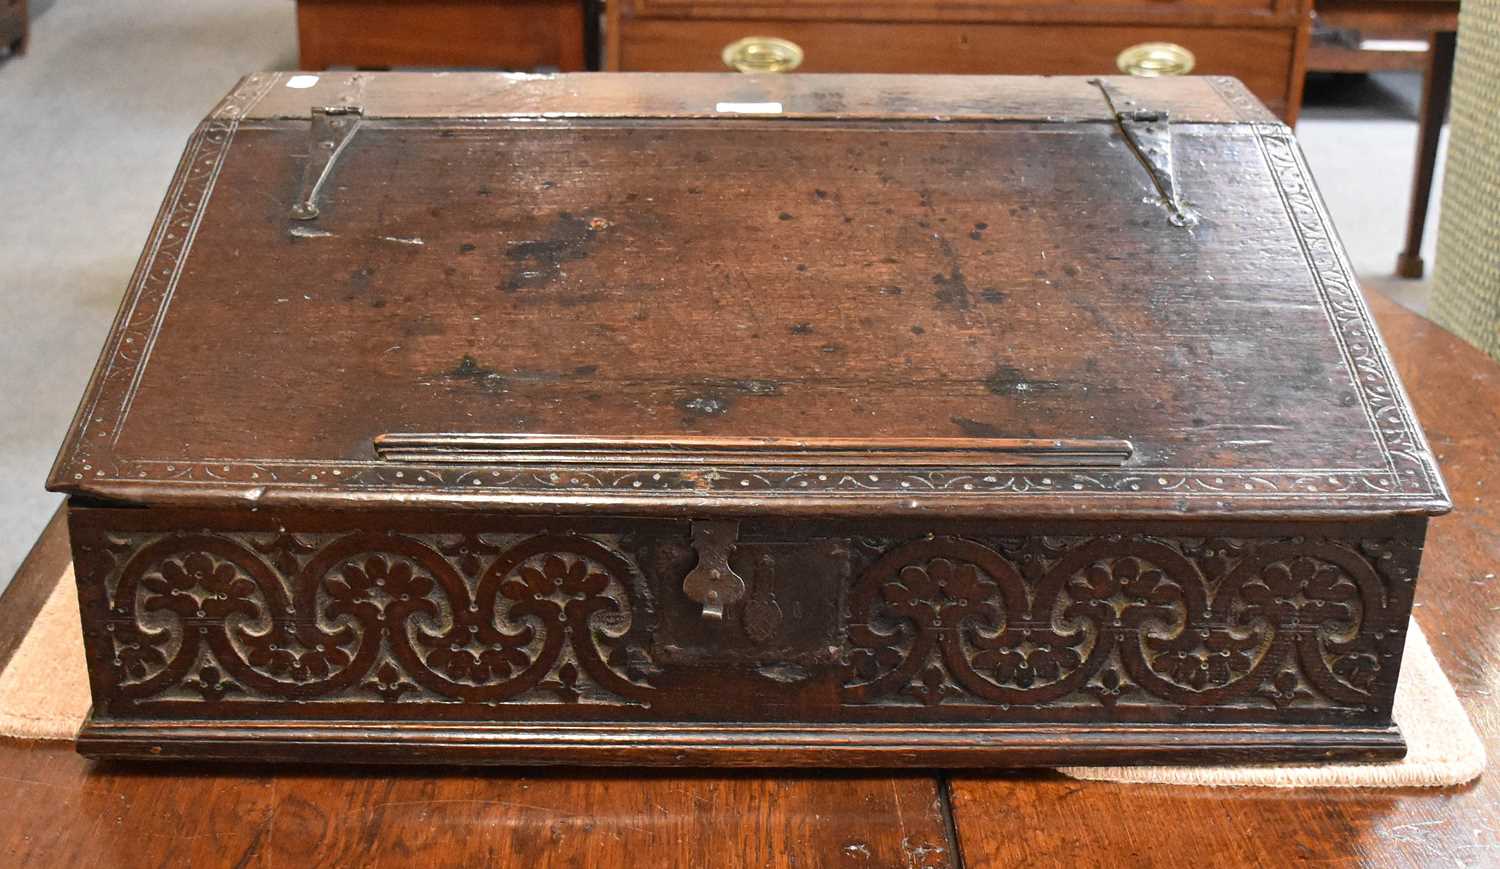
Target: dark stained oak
point(737, 420)
point(1040, 821)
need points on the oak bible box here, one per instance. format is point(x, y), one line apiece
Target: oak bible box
point(801, 420)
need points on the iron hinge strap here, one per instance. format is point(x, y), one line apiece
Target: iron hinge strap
point(332, 128)
point(1149, 132)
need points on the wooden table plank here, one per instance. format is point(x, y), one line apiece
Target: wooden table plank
point(65, 811)
point(1007, 820)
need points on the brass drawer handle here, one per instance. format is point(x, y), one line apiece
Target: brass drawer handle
point(763, 54)
point(1152, 59)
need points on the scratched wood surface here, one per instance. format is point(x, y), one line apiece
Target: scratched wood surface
point(867, 283)
point(64, 810)
point(1009, 821)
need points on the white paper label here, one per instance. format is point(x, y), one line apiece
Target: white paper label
point(748, 108)
point(1414, 46)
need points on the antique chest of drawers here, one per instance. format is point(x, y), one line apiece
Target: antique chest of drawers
point(498, 34)
point(1261, 42)
point(675, 419)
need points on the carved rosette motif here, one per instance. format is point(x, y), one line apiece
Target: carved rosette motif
point(1129, 620)
point(479, 619)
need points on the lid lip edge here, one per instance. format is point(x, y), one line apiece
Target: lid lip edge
point(872, 505)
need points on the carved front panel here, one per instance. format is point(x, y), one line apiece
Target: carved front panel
point(1131, 620)
point(491, 621)
point(478, 619)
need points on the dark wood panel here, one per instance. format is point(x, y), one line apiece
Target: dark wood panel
point(1393, 17)
point(853, 277)
point(809, 665)
point(1007, 821)
point(515, 34)
point(916, 297)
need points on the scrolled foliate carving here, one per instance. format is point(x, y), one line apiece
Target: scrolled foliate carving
point(374, 616)
point(1127, 620)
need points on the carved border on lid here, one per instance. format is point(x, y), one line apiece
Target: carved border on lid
point(90, 462)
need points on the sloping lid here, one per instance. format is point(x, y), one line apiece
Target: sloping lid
point(694, 295)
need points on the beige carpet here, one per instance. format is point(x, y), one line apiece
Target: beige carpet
point(44, 694)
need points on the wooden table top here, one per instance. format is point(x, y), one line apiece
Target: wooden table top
point(64, 810)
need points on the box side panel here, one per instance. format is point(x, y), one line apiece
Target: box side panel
point(429, 619)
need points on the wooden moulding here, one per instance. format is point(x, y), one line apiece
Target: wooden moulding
point(978, 454)
point(736, 745)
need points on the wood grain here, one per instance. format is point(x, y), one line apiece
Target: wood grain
point(1004, 821)
point(65, 810)
point(372, 34)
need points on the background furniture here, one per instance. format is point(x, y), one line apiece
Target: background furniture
point(1350, 36)
point(506, 34)
point(1467, 283)
point(14, 22)
point(65, 810)
point(1258, 41)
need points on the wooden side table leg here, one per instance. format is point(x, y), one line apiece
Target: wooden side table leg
point(19, 47)
point(592, 42)
point(1436, 86)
